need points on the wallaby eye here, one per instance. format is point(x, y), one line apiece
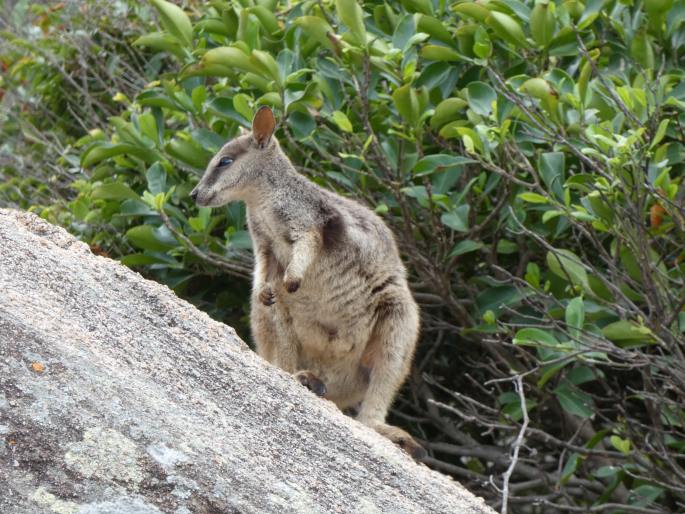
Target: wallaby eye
point(225, 161)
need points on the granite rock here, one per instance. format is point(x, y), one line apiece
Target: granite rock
point(118, 397)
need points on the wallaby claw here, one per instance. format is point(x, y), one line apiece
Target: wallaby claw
point(292, 284)
point(311, 382)
point(267, 297)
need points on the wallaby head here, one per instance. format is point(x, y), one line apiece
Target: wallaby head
point(234, 172)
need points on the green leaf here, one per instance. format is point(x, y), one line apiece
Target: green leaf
point(574, 401)
point(156, 98)
point(161, 42)
point(550, 215)
point(230, 57)
point(446, 111)
point(241, 103)
point(301, 123)
point(470, 138)
point(570, 467)
point(660, 133)
point(351, 14)
point(146, 237)
point(482, 46)
point(472, 10)
point(590, 14)
point(507, 28)
point(114, 191)
point(465, 246)
point(567, 265)
point(542, 23)
point(549, 371)
point(213, 25)
point(434, 27)
point(405, 30)
point(175, 21)
point(645, 494)
point(408, 103)
point(532, 275)
point(266, 18)
point(551, 166)
point(342, 121)
point(316, 28)
point(511, 403)
point(458, 219)
point(224, 108)
point(627, 333)
point(520, 9)
point(481, 97)
point(381, 209)
point(575, 317)
point(496, 298)
point(641, 49)
point(267, 64)
point(622, 445)
point(156, 179)
point(101, 151)
point(439, 162)
point(606, 471)
point(580, 375)
point(419, 6)
point(506, 247)
point(188, 152)
point(534, 337)
point(533, 198)
point(440, 53)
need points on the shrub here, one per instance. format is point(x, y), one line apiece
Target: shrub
point(62, 63)
point(529, 157)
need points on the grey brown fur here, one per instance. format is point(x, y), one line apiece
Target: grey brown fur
point(330, 300)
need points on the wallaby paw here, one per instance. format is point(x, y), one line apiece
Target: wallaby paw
point(403, 440)
point(267, 296)
point(292, 284)
point(311, 382)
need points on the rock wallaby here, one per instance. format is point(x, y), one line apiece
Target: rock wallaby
point(330, 301)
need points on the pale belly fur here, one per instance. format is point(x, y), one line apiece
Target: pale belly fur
point(332, 320)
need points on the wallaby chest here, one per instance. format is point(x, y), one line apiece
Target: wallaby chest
point(271, 238)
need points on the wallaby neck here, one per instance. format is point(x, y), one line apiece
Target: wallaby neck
point(278, 175)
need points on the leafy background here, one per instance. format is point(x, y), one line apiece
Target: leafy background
point(528, 155)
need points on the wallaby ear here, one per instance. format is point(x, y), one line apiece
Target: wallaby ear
point(263, 126)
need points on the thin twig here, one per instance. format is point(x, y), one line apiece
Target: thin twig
point(518, 384)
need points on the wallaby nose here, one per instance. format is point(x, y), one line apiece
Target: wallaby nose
point(193, 195)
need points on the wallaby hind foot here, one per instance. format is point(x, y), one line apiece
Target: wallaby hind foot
point(311, 382)
point(403, 440)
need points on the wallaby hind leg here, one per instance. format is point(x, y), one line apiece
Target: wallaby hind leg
point(263, 328)
point(273, 335)
point(388, 357)
point(277, 343)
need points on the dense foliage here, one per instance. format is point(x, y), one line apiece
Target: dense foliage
point(528, 155)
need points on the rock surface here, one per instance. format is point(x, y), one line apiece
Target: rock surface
point(118, 397)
